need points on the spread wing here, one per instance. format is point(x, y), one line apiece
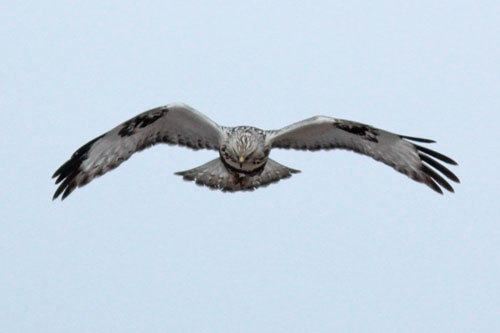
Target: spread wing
point(174, 124)
point(417, 162)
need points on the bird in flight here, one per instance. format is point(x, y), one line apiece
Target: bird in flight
point(243, 163)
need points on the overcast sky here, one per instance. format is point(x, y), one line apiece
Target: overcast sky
point(347, 245)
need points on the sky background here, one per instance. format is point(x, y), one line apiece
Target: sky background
point(347, 245)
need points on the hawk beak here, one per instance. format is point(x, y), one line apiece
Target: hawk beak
point(242, 159)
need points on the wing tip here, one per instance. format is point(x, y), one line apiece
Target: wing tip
point(67, 172)
point(57, 193)
point(65, 188)
point(435, 154)
point(434, 176)
point(412, 138)
point(432, 184)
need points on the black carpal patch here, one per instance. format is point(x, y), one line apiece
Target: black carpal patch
point(143, 120)
point(366, 132)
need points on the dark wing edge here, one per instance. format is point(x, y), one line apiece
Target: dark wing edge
point(429, 158)
point(70, 169)
point(176, 124)
point(397, 151)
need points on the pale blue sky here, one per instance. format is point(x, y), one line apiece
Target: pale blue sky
point(347, 245)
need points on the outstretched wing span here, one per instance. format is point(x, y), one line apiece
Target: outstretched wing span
point(392, 149)
point(174, 124)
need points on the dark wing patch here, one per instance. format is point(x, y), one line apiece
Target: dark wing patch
point(142, 120)
point(364, 131)
point(432, 177)
point(69, 170)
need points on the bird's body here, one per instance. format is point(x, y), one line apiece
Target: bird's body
point(243, 162)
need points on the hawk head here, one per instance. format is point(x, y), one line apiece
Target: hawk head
point(245, 150)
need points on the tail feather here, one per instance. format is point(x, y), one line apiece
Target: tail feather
point(215, 176)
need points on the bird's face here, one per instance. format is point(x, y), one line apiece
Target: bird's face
point(245, 152)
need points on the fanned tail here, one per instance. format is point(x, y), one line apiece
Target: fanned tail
point(215, 176)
